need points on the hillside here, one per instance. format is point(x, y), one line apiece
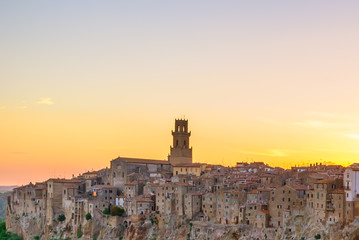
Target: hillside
point(3, 205)
point(7, 188)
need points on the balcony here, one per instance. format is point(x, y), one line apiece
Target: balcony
point(330, 209)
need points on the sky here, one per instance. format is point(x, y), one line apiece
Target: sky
point(83, 82)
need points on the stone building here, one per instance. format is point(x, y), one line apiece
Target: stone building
point(322, 201)
point(188, 169)
point(121, 168)
point(180, 152)
point(57, 192)
point(228, 206)
point(289, 198)
point(104, 196)
point(253, 211)
point(351, 188)
point(140, 205)
point(170, 198)
point(335, 207)
point(192, 204)
point(133, 189)
point(209, 205)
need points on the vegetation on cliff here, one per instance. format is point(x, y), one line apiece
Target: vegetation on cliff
point(5, 235)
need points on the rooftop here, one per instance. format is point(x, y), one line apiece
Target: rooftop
point(141, 160)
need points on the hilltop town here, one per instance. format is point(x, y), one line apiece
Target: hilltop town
point(180, 199)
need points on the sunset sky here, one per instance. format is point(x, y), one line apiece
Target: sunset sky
point(83, 82)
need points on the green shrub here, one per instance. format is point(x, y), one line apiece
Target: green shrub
point(79, 232)
point(106, 211)
point(88, 216)
point(7, 235)
point(317, 236)
point(61, 218)
point(117, 211)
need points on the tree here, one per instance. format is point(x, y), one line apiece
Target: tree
point(7, 235)
point(117, 211)
point(88, 216)
point(106, 211)
point(79, 232)
point(317, 236)
point(61, 217)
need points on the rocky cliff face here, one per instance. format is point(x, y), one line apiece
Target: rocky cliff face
point(174, 227)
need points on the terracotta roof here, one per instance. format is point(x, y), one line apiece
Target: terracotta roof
point(264, 189)
point(298, 187)
point(88, 172)
point(188, 165)
point(325, 181)
point(197, 194)
point(70, 186)
point(338, 191)
point(182, 184)
point(265, 211)
point(131, 183)
point(143, 200)
point(63, 180)
point(141, 160)
point(104, 186)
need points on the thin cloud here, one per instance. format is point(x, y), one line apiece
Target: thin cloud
point(22, 107)
point(45, 101)
point(270, 153)
point(356, 136)
point(323, 124)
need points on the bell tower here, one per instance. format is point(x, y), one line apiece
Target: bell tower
point(181, 153)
